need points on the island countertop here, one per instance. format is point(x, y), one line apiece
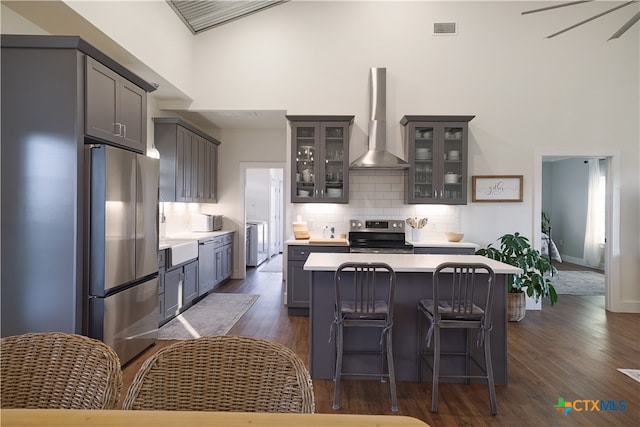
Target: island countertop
point(405, 263)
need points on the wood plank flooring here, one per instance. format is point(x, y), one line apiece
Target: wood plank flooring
point(570, 350)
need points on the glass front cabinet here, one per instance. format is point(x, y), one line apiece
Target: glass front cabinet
point(320, 158)
point(437, 148)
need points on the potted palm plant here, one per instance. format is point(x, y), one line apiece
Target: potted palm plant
point(516, 250)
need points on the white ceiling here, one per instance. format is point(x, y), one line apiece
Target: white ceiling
point(238, 119)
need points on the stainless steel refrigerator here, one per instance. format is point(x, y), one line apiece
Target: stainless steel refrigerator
point(121, 263)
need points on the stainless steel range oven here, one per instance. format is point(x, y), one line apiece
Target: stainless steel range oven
point(379, 236)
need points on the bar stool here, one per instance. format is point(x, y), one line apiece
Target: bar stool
point(364, 299)
point(462, 298)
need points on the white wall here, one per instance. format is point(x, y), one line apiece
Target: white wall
point(258, 195)
point(530, 94)
point(164, 47)
point(243, 149)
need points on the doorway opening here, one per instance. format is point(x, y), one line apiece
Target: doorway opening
point(264, 214)
point(565, 218)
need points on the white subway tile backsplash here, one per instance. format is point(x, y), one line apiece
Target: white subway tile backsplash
point(377, 194)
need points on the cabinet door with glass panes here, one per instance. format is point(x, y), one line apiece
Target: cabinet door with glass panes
point(437, 159)
point(320, 159)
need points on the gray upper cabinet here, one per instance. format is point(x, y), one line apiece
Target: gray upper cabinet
point(320, 158)
point(210, 176)
point(116, 109)
point(438, 147)
point(188, 162)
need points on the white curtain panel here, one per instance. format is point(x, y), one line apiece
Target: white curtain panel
point(594, 234)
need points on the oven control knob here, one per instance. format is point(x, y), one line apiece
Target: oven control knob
point(394, 225)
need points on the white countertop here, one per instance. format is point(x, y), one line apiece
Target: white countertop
point(169, 240)
point(410, 263)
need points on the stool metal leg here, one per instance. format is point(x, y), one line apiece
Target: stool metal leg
point(489, 370)
point(392, 375)
point(467, 356)
point(436, 368)
point(338, 374)
point(419, 347)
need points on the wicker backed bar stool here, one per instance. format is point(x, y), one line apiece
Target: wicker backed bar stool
point(364, 299)
point(55, 370)
point(223, 373)
point(462, 298)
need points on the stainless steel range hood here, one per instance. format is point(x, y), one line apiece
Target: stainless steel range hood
point(377, 156)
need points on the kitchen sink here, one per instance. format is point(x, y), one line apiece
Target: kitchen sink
point(181, 251)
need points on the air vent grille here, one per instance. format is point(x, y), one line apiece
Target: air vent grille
point(445, 29)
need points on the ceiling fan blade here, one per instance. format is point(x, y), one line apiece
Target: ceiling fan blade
point(592, 18)
point(625, 27)
point(555, 7)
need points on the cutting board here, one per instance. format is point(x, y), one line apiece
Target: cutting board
point(300, 230)
point(328, 241)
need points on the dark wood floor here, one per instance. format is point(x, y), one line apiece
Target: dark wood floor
point(570, 350)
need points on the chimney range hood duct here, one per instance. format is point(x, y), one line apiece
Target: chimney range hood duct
point(377, 156)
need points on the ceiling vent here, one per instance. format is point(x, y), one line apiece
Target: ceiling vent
point(445, 29)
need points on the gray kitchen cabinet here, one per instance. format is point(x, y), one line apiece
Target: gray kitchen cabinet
point(172, 284)
point(188, 162)
point(183, 164)
point(199, 167)
point(44, 144)
point(298, 280)
point(180, 289)
point(190, 284)
point(215, 260)
point(443, 250)
point(320, 158)
point(218, 260)
point(247, 247)
point(211, 171)
point(438, 147)
point(116, 109)
point(227, 256)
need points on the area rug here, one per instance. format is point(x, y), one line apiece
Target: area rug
point(214, 315)
point(578, 283)
point(633, 373)
point(274, 265)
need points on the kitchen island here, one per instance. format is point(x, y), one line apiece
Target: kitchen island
point(413, 283)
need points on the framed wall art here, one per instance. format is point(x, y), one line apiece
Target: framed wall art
point(496, 188)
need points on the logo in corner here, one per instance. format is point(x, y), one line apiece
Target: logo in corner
point(563, 406)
